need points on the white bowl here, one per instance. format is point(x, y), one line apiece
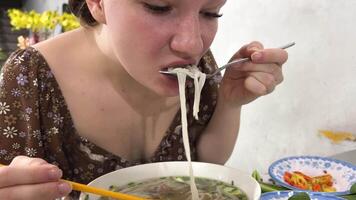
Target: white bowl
point(154, 170)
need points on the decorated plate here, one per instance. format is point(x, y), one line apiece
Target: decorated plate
point(285, 195)
point(343, 173)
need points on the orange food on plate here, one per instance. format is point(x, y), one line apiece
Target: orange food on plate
point(323, 183)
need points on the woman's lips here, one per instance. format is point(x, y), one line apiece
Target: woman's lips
point(174, 67)
point(178, 64)
point(174, 79)
point(168, 77)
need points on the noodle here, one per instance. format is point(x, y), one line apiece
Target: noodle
point(184, 188)
point(199, 80)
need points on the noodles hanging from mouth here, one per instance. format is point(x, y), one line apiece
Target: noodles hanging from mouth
point(184, 187)
point(199, 80)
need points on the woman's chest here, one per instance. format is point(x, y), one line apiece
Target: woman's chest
point(114, 125)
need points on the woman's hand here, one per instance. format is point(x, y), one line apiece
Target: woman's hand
point(31, 179)
point(245, 82)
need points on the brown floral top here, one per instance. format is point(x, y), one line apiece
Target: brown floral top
point(35, 121)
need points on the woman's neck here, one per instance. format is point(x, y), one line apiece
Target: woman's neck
point(134, 93)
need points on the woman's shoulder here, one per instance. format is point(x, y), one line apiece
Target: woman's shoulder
point(64, 52)
point(39, 61)
point(23, 69)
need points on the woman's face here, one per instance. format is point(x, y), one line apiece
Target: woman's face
point(151, 35)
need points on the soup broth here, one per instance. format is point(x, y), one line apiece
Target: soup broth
point(178, 188)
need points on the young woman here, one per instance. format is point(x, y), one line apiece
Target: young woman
point(92, 100)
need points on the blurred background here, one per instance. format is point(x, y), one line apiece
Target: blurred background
point(311, 113)
point(26, 22)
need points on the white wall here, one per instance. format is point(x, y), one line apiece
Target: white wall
point(319, 90)
point(42, 5)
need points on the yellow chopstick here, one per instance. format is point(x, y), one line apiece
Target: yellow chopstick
point(102, 192)
point(98, 191)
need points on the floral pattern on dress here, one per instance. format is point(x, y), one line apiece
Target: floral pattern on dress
point(35, 121)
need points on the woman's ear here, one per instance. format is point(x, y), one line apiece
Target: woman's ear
point(96, 8)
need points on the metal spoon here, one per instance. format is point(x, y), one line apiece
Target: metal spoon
point(227, 65)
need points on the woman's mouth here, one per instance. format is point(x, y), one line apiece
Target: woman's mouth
point(169, 71)
point(169, 68)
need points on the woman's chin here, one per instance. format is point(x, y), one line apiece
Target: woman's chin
point(168, 86)
point(169, 91)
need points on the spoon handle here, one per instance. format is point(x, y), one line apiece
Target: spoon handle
point(228, 65)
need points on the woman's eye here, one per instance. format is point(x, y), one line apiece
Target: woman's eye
point(157, 9)
point(212, 15)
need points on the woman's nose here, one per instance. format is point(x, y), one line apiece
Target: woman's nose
point(187, 38)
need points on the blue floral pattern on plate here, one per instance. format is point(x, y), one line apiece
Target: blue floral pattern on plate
point(284, 195)
point(343, 173)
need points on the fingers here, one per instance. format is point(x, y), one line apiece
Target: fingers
point(264, 71)
point(258, 54)
point(44, 191)
point(272, 69)
point(31, 178)
point(260, 83)
point(20, 175)
point(278, 56)
point(246, 50)
point(27, 161)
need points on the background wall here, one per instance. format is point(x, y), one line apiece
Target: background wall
point(319, 90)
point(42, 5)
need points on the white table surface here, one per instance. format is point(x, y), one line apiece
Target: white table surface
point(348, 156)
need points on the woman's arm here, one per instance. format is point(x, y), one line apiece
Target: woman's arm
point(240, 85)
point(218, 139)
